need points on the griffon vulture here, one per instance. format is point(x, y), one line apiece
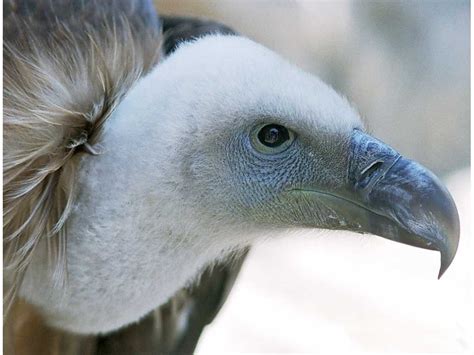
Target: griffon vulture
point(144, 155)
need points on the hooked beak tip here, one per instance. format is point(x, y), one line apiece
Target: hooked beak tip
point(447, 256)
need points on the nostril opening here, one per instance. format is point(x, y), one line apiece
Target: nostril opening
point(367, 174)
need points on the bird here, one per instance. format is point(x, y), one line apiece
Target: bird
point(144, 155)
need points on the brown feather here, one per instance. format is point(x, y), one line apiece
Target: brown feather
point(65, 70)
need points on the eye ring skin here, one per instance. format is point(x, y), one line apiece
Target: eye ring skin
point(262, 148)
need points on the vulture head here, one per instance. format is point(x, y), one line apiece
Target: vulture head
point(221, 145)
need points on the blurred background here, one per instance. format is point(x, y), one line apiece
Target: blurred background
point(406, 66)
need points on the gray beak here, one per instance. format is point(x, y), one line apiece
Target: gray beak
point(394, 198)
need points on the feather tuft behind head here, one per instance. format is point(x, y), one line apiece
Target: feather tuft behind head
point(59, 89)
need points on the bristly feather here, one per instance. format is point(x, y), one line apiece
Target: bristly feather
point(60, 87)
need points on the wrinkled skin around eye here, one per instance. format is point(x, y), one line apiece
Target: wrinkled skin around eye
point(250, 183)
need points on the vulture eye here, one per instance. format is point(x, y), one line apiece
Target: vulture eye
point(271, 138)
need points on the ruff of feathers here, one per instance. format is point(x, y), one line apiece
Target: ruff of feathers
point(59, 91)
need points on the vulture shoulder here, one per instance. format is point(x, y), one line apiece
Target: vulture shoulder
point(67, 64)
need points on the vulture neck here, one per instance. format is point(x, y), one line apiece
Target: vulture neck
point(137, 233)
point(138, 186)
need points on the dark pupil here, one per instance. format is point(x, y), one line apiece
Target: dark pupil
point(273, 135)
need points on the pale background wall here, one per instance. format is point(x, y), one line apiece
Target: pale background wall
point(406, 67)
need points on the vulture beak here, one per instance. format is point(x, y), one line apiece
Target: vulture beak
point(394, 198)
